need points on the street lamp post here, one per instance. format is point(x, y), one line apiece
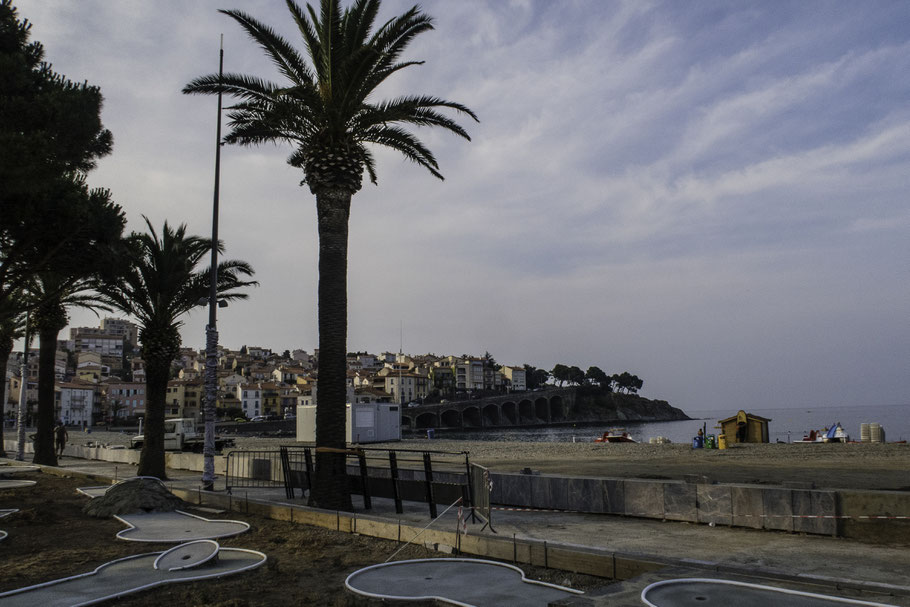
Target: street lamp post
point(23, 393)
point(211, 331)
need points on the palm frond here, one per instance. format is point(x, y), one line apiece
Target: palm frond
point(405, 143)
point(324, 107)
point(238, 85)
point(417, 110)
point(282, 54)
point(163, 281)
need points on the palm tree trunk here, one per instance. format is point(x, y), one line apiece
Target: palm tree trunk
point(158, 351)
point(50, 319)
point(331, 488)
point(151, 461)
point(44, 436)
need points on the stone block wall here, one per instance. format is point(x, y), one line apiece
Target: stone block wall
point(752, 506)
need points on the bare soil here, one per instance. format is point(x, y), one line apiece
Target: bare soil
point(51, 538)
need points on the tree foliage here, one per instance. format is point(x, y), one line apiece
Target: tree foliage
point(560, 373)
point(576, 376)
point(50, 135)
point(534, 377)
point(596, 376)
point(626, 382)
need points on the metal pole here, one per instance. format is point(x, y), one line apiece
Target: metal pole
point(23, 392)
point(211, 331)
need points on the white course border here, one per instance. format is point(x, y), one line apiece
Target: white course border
point(8, 469)
point(833, 599)
point(145, 586)
point(6, 512)
point(15, 483)
point(525, 580)
point(158, 540)
point(212, 545)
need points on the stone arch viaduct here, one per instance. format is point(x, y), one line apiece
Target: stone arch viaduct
point(517, 409)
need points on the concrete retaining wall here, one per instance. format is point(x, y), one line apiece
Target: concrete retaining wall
point(173, 459)
point(869, 515)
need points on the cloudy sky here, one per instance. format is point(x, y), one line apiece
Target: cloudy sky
point(711, 195)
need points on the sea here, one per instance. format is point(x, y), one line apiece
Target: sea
point(786, 425)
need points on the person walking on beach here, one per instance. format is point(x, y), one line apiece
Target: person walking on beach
point(61, 436)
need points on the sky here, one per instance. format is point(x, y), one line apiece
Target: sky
point(712, 195)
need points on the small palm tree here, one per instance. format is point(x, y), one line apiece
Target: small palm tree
point(160, 285)
point(69, 279)
point(55, 293)
point(324, 109)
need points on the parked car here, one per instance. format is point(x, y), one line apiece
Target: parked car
point(259, 418)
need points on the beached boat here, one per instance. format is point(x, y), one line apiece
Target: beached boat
point(834, 434)
point(812, 437)
point(615, 435)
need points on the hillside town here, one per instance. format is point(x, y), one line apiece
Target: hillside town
point(100, 379)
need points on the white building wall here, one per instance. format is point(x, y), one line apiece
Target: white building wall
point(76, 405)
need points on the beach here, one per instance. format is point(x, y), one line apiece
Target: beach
point(831, 465)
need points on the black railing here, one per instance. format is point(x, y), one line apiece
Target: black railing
point(432, 477)
point(254, 469)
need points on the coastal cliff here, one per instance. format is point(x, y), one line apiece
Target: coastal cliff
point(597, 406)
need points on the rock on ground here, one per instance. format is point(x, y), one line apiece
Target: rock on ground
point(134, 495)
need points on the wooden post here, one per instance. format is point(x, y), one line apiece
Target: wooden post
point(308, 462)
point(365, 480)
point(428, 474)
point(393, 468)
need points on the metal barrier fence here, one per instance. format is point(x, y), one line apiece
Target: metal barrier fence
point(482, 486)
point(432, 477)
point(254, 469)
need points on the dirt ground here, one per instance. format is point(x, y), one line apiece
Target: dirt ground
point(51, 538)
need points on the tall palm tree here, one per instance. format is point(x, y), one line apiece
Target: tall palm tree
point(160, 286)
point(324, 109)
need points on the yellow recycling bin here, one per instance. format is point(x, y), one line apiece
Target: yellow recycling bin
point(721, 441)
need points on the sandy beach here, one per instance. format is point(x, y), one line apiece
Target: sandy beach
point(852, 465)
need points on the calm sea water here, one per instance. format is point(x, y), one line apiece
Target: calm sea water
point(786, 424)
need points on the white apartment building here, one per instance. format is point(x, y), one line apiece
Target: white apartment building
point(516, 377)
point(76, 403)
point(250, 397)
point(404, 387)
